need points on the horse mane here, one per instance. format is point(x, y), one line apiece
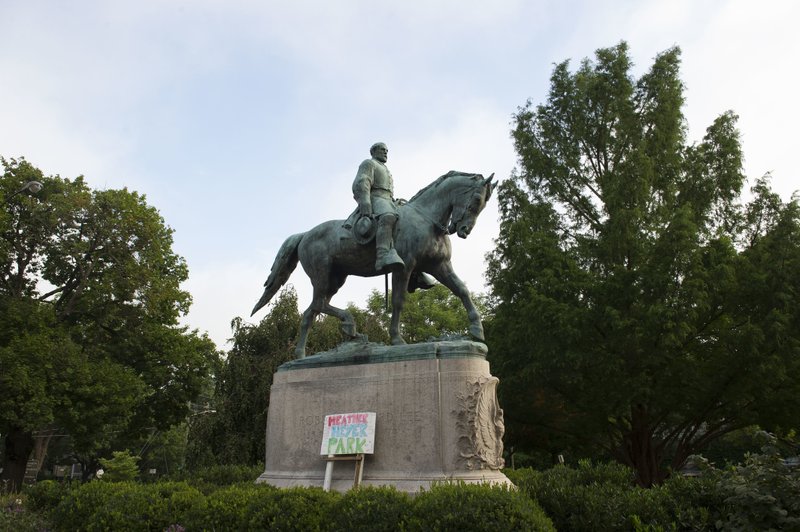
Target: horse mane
point(441, 179)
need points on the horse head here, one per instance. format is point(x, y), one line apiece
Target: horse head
point(470, 204)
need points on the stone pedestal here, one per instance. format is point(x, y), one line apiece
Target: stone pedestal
point(437, 415)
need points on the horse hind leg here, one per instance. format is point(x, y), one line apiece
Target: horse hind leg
point(309, 316)
point(321, 306)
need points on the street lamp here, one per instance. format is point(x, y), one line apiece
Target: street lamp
point(31, 186)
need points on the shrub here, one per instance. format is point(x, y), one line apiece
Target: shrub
point(761, 494)
point(122, 467)
point(476, 507)
point(45, 495)
point(371, 509)
point(127, 506)
point(15, 514)
point(226, 508)
point(210, 478)
point(694, 501)
point(73, 512)
point(173, 502)
point(604, 497)
point(292, 509)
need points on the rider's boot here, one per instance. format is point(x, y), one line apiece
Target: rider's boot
point(387, 258)
point(420, 280)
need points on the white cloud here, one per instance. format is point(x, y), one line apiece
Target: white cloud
point(244, 121)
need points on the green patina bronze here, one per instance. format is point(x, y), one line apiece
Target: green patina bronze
point(412, 239)
point(362, 352)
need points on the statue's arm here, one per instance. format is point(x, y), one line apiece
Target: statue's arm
point(362, 186)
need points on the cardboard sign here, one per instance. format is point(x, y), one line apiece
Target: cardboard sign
point(348, 434)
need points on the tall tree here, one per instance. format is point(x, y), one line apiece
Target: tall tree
point(235, 433)
point(89, 338)
point(640, 308)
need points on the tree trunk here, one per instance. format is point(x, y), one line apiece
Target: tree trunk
point(41, 444)
point(640, 452)
point(18, 447)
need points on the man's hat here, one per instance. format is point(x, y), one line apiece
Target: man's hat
point(364, 230)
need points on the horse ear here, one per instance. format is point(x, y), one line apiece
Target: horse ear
point(489, 186)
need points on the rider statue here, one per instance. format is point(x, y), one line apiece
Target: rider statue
point(374, 191)
point(377, 215)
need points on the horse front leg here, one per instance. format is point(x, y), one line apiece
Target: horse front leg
point(445, 275)
point(348, 325)
point(399, 286)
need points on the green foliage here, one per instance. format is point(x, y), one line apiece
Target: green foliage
point(127, 506)
point(31, 378)
point(761, 494)
point(16, 514)
point(732, 448)
point(208, 479)
point(292, 509)
point(157, 506)
point(605, 497)
point(45, 495)
point(428, 314)
point(226, 508)
point(89, 304)
point(664, 312)
point(476, 507)
point(371, 509)
point(234, 432)
point(122, 467)
point(163, 451)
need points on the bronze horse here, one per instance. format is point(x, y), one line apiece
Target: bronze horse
point(328, 253)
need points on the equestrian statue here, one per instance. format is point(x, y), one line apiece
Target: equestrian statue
point(410, 241)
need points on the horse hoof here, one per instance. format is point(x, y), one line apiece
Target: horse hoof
point(299, 353)
point(398, 341)
point(476, 331)
point(349, 330)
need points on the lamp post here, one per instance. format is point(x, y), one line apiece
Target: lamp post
point(32, 186)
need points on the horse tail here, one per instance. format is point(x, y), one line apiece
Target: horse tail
point(282, 268)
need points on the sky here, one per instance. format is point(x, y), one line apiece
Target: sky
point(244, 121)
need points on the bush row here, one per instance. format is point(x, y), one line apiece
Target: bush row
point(763, 493)
point(604, 497)
point(179, 506)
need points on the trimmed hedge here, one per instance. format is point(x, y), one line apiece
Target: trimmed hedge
point(293, 509)
point(127, 506)
point(604, 497)
point(177, 506)
point(226, 508)
point(371, 509)
point(763, 493)
point(474, 507)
